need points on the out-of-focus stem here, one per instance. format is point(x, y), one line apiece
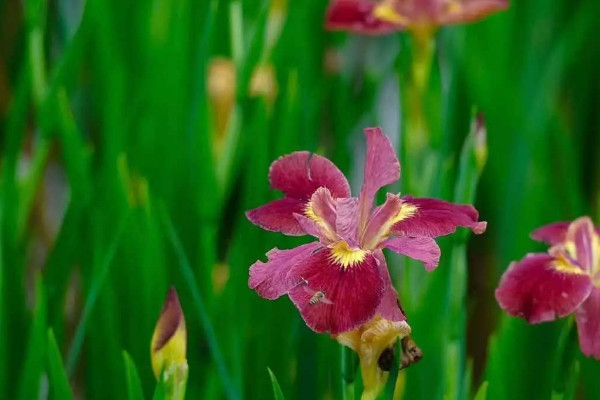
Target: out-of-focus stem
point(416, 134)
point(348, 372)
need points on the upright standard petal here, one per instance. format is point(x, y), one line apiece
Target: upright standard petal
point(381, 168)
point(424, 249)
point(588, 325)
point(587, 243)
point(278, 216)
point(433, 217)
point(336, 296)
point(299, 174)
point(346, 222)
point(357, 16)
point(540, 288)
point(270, 279)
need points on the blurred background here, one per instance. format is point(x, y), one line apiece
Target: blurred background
point(134, 135)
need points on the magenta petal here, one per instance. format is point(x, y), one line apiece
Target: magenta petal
point(389, 308)
point(379, 224)
point(588, 325)
point(312, 228)
point(433, 217)
point(299, 174)
point(423, 249)
point(351, 295)
point(537, 289)
point(278, 216)
point(381, 168)
point(551, 233)
point(346, 223)
point(583, 234)
point(357, 16)
point(473, 10)
point(270, 279)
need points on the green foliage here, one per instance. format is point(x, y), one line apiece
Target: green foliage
point(277, 393)
point(116, 181)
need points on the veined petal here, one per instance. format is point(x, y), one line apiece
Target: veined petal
point(357, 16)
point(336, 298)
point(383, 219)
point(169, 341)
point(322, 210)
point(381, 168)
point(588, 325)
point(583, 235)
point(433, 217)
point(424, 249)
point(346, 222)
point(278, 216)
point(270, 279)
point(540, 288)
point(389, 308)
point(299, 174)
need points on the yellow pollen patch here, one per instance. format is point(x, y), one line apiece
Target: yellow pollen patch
point(386, 12)
point(308, 211)
point(406, 211)
point(342, 254)
point(454, 7)
point(562, 265)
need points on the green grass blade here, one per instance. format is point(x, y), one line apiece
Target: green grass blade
point(134, 385)
point(277, 393)
point(186, 269)
point(57, 376)
point(33, 367)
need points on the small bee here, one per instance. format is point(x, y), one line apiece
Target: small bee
point(317, 297)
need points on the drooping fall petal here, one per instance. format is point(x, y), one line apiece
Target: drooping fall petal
point(389, 308)
point(341, 291)
point(588, 325)
point(278, 216)
point(423, 249)
point(270, 279)
point(433, 217)
point(457, 12)
point(381, 168)
point(299, 174)
point(540, 288)
point(169, 341)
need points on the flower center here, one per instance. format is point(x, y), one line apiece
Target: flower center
point(342, 254)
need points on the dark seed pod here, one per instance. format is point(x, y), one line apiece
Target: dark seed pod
point(386, 359)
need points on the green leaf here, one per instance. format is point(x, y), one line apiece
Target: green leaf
point(482, 392)
point(134, 385)
point(29, 384)
point(277, 393)
point(57, 376)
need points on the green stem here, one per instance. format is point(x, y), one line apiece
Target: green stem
point(348, 373)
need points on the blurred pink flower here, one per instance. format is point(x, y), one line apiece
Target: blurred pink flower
point(566, 280)
point(342, 280)
point(380, 17)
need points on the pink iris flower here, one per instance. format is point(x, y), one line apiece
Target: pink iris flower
point(385, 16)
point(566, 280)
point(341, 281)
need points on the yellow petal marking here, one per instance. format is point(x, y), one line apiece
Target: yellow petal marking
point(172, 353)
point(387, 13)
point(342, 254)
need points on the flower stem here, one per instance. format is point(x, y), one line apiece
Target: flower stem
point(348, 373)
